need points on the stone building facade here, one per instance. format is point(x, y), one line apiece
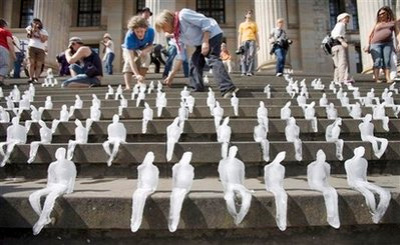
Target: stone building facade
point(307, 22)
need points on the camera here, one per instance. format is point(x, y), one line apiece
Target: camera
point(240, 50)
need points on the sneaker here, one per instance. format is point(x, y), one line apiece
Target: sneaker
point(243, 74)
point(279, 74)
point(227, 94)
point(249, 74)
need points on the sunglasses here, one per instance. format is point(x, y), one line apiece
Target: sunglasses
point(382, 13)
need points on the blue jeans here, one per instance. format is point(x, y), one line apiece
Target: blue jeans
point(109, 60)
point(280, 54)
point(81, 77)
point(17, 64)
point(247, 59)
point(172, 52)
point(380, 53)
point(198, 62)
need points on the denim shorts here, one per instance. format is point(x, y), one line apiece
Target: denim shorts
point(381, 53)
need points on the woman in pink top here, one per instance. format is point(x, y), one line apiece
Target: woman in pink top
point(381, 42)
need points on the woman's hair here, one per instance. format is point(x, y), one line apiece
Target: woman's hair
point(38, 21)
point(388, 11)
point(3, 23)
point(137, 22)
point(166, 17)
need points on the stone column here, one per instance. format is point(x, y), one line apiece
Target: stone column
point(366, 10)
point(266, 14)
point(56, 18)
point(156, 6)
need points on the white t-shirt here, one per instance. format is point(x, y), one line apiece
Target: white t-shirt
point(339, 30)
point(110, 47)
point(35, 40)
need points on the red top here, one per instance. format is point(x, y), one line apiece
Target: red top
point(3, 37)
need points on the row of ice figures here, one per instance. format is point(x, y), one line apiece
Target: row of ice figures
point(62, 174)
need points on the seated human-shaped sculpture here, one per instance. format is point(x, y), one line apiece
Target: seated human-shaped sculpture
point(64, 117)
point(332, 134)
point(318, 173)
point(301, 100)
point(232, 173)
point(147, 116)
point(46, 136)
point(185, 92)
point(267, 91)
point(385, 93)
point(36, 116)
point(96, 101)
point(110, 92)
point(147, 182)
point(61, 176)
point(24, 103)
point(331, 112)
point(95, 113)
point(356, 93)
point(174, 131)
point(135, 91)
point(235, 104)
point(141, 97)
point(48, 105)
point(150, 88)
point(15, 94)
point(388, 100)
point(16, 134)
point(224, 137)
point(183, 114)
point(123, 103)
point(81, 136)
point(4, 115)
point(304, 91)
point(339, 94)
point(345, 101)
point(10, 103)
point(262, 114)
point(161, 103)
point(190, 102)
point(379, 113)
point(260, 136)
point(116, 135)
point(394, 88)
point(118, 93)
point(355, 111)
point(182, 179)
point(159, 85)
point(274, 174)
point(218, 113)
point(356, 171)
point(286, 112)
point(211, 100)
point(332, 87)
point(367, 134)
point(323, 101)
point(309, 114)
point(78, 102)
point(292, 133)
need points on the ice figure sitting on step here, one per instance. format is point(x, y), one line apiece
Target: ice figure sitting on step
point(16, 134)
point(235, 104)
point(161, 103)
point(356, 170)
point(81, 136)
point(95, 113)
point(286, 112)
point(224, 137)
point(96, 101)
point(147, 183)
point(48, 105)
point(147, 116)
point(123, 103)
point(262, 113)
point(36, 116)
point(10, 103)
point(318, 173)
point(190, 102)
point(174, 131)
point(274, 174)
point(232, 173)
point(141, 97)
point(182, 177)
point(78, 102)
point(218, 113)
point(116, 135)
point(331, 112)
point(380, 114)
point(332, 134)
point(355, 112)
point(183, 114)
point(110, 92)
point(64, 117)
point(4, 115)
point(367, 134)
point(309, 114)
point(61, 176)
point(45, 138)
point(292, 133)
point(211, 99)
point(323, 101)
point(119, 92)
point(267, 91)
point(260, 136)
point(135, 91)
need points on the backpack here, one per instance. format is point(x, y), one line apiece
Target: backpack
point(327, 44)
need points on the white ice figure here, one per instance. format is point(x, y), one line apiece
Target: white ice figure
point(1, 93)
point(159, 85)
point(235, 104)
point(274, 174)
point(393, 88)
point(64, 117)
point(48, 104)
point(182, 177)
point(141, 96)
point(331, 112)
point(123, 103)
point(15, 94)
point(24, 103)
point(29, 95)
point(119, 92)
point(332, 134)
point(267, 91)
point(388, 100)
point(61, 176)
point(116, 135)
point(339, 94)
point(367, 134)
point(292, 133)
point(4, 115)
point(174, 132)
point(232, 173)
point(206, 80)
point(217, 113)
point(95, 113)
point(286, 112)
point(304, 91)
point(260, 136)
point(345, 101)
point(224, 133)
point(32, 89)
point(290, 90)
point(323, 101)
point(385, 93)
point(147, 116)
point(318, 85)
point(301, 100)
point(45, 138)
point(81, 136)
point(190, 102)
point(380, 114)
point(10, 103)
point(356, 170)
point(78, 102)
point(161, 103)
point(96, 101)
point(135, 91)
point(151, 87)
point(183, 114)
point(262, 114)
point(332, 87)
point(356, 93)
point(309, 114)
point(211, 100)
point(148, 175)
point(355, 111)
point(318, 173)
point(16, 134)
point(110, 92)
point(185, 92)
point(36, 116)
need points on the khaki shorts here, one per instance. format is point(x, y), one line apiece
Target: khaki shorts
point(36, 54)
point(141, 62)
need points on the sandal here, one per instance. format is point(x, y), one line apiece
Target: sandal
point(378, 81)
point(389, 81)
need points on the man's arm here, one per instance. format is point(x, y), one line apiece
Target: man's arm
point(80, 53)
point(11, 45)
point(205, 46)
point(175, 69)
point(132, 63)
point(146, 50)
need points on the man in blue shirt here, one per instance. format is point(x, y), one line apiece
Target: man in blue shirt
point(195, 29)
point(137, 47)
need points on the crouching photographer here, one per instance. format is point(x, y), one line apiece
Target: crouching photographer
point(280, 46)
